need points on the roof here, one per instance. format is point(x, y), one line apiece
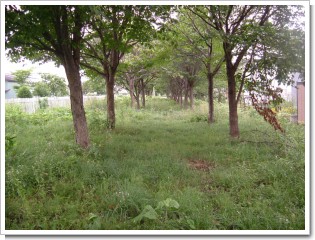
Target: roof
point(9, 78)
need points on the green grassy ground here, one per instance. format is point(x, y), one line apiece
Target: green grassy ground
point(161, 168)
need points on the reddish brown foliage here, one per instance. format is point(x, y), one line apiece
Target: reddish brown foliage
point(262, 104)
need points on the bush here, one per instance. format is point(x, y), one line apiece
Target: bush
point(14, 116)
point(9, 142)
point(41, 89)
point(43, 116)
point(24, 92)
point(96, 120)
point(43, 103)
point(199, 118)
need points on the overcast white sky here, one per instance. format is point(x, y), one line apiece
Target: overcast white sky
point(37, 68)
point(49, 67)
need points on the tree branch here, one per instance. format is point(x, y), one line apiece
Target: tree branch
point(244, 74)
point(85, 64)
point(95, 53)
point(44, 46)
point(244, 13)
point(202, 18)
point(218, 66)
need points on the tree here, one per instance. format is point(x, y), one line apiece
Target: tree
point(233, 47)
point(207, 43)
point(189, 67)
point(51, 85)
point(56, 85)
point(41, 89)
point(241, 28)
point(94, 83)
point(137, 70)
point(21, 76)
point(24, 92)
point(44, 33)
point(273, 59)
point(113, 32)
point(182, 66)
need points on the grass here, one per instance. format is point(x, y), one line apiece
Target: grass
point(255, 182)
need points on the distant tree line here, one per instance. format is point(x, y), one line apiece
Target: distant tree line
point(49, 85)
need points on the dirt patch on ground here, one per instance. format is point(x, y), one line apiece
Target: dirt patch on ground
point(200, 165)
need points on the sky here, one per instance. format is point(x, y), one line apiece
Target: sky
point(49, 67)
point(37, 68)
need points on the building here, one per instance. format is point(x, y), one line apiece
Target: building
point(295, 93)
point(10, 91)
point(289, 92)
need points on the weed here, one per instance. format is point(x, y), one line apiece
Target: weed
point(161, 168)
point(43, 103)
point(9, 142)
point(199, 118)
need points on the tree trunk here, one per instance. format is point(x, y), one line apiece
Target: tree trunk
point(138, 102)
point(110, 80)
point(210, 98)
point(191, 96)
point(77, 108)
point(186, 89)
point(219, 95)
point(181, 98)
point(233, 117)
point(230, 72)
point(142, 93)
point(131, 87)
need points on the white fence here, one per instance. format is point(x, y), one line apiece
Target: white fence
point(30, 105)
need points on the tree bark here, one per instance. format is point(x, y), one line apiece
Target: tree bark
point(233, 117)
point(230, 72)
point(138, 102)
point(219, 95)
point(131, 87)
point(181, 98)
point(186, 89)
point(110, 80)
point(210, 98)
point(68, 52)
point(142, 93)
point(77, 108)
point(191, 96)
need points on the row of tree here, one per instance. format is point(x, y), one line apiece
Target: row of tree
point(50, 85)
point(247, 45)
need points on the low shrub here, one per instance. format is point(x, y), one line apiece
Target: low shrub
point(199, 118)
point(43, 103)
point(24, 92)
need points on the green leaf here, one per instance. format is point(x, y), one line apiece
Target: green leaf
point(147, 212)
point(92, 216)
point(191, 224)
point(168, 203)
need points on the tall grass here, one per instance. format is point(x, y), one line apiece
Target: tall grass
point(255, 182)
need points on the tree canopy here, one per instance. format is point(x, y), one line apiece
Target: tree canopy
point(51, 33)
point(112, 31)
point(21, 76)
point(175, 50)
